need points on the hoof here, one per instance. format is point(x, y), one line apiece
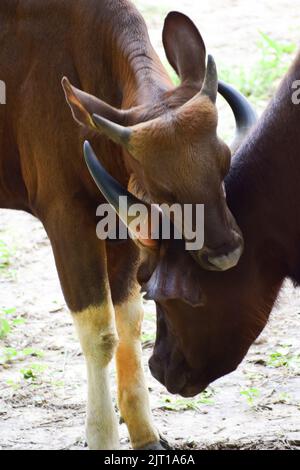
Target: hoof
point(161, 445)
point(153, 446)
point(164, 443)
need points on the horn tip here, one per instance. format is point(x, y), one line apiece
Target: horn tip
point(88, 151)
point(86, 145)
point(211, 61)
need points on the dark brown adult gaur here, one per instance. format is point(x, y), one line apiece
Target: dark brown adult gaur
point(196, 345)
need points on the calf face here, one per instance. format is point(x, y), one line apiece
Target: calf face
point(206, 321)
point(199, 337)
point(170, 143)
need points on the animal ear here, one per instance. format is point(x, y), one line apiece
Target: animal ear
point(83, 106)
point(184, 47)
point(167, 281)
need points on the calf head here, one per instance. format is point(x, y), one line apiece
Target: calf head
point(170, 144)
point(205, 331)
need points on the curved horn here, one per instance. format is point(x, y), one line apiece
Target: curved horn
point(244, 113)
point(210, 84)
point(117, 133)
point(109, 187)
point(112, 191)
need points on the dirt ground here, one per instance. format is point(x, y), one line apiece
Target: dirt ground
point(43, 387)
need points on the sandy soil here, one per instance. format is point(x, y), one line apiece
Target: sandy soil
point(256, 407)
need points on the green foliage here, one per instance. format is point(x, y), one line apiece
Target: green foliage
point(251, 394)
point(260, 81)
point(182, 404)
point(32, 352)
point(7, 322)
point(33, 372)
point(148, 337)
point(283, 357)
point(7, 355)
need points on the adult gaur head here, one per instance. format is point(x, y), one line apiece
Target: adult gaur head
point(171, 147)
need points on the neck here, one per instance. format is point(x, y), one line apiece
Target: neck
point(126, 70)
point(139, 72)
point(142, 76)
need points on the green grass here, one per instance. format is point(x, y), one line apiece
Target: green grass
point(8, 321)
point(251, 395)
point(10, 354)
point(259, 82)
point(148, 337)
point(33, 372)
point(7, 355)
point(283, 357)
point(183, 404)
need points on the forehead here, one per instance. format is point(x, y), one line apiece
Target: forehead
point(191, 125)
point(197, 117)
